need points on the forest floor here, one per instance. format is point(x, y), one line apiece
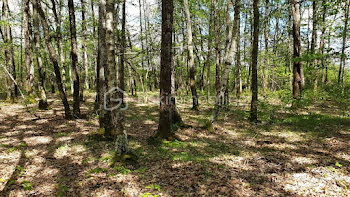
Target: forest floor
point(304, 152)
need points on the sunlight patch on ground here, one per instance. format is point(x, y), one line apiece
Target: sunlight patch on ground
point(11, 133)
point(34, 152)
point(304, 160)
point(64, 139)
point(37, 140)
point(69, 151)
point(345, 156)
point(8, 162)
point(9, 141)
point(283, 146)
point(321, 181)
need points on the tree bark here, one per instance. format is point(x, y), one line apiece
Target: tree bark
point(54, 59)
point(298, 72)
point(115, 127)
point(217, 48)
point(101, 87)
point(343, 55)
point(254, 103)
point(84, 83)
point(165, 113)
point(266, 38)
point(28, 48)
point(314, 64)
point(74, 59)
point(191, 64)
point(238, 71)
point(41, 78)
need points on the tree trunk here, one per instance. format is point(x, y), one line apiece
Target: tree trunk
point(208, 62)
point(266, 38)
point(217, 48)
point(115, 101)
point(191, 64)
point(343, 55)
point(42, 92)
point(314, 63)
point(238, 72)
point(28, 48)
point(101, 87)
point(74, 59)
point(254, 103)
point(84, 83)
point(322, 43)
point(229, 58)
point(298, 72)
point(165, 112)
point(53, 57)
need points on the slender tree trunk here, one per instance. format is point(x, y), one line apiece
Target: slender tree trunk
point(208, 62)
point(115, 94)
point(229, 57)
point(254, 103)
point(191, 64)
point(217, 48)
point(94, 58)
point(41, 78)
point(28, 48)
point(143, 50)
point(266, 38)
point(74, 59)
point(58, 21)
point(343, 55)
point(314, 63)
point(298, 73)
point(322, 43)
point(101, 87)
point(122, 51)
point(238, 72)
point(54, 59)
point(84, 83)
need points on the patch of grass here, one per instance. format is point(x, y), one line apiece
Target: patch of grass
point(61, 190)
point(97, 170)
point(141, 170)
point(12, 149)
point(122, 170)
point(154, 187)
point(20, 169)
point(105, 158)
point(60, 134)
point(148, 195)
point(26, 185)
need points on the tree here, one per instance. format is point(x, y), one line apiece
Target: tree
point(191, 65)
point(28, 48)
point(115, 126)
point(9, 54)
point(343, 55)
point(54, 59)
point(74, 59)
point(266, 39)
point(238, 71)
point(229, 58)
point(101, 65)
point(41, 78)
point(217, 47)
point(254, 103)
point(298, 71)
point(84, 82)
point(165, 112)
